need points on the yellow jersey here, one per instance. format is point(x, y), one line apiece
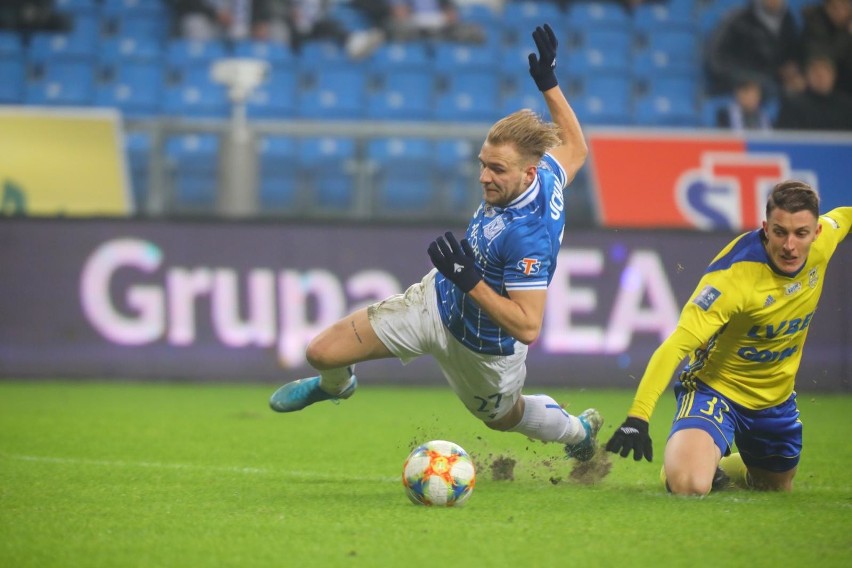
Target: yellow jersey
point(746, 323)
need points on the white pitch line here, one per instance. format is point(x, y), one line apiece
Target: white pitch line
point(295, 474)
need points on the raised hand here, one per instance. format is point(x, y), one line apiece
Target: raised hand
point(542, 68)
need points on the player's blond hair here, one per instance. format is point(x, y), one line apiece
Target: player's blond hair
point(793, 196)
point(527, 132)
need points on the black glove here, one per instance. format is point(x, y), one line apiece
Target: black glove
point(456, 262)
point(632, 435)
point(542, 67)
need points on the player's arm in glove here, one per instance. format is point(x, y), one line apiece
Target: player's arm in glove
point(543, 66)
point(633, 436)
point(456, 261)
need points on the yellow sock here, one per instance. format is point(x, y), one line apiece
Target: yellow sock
point(735, 469)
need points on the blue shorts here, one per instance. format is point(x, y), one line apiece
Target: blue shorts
point(769, 439)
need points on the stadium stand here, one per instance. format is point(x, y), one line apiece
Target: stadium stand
point(622, 68)
point(192, 160)
point(327, 165)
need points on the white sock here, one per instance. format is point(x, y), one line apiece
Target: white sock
point(545, 420)
point(335, 381)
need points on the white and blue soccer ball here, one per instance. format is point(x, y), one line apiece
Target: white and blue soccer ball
point(439, 473)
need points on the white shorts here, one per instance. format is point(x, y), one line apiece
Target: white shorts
point(410, 326)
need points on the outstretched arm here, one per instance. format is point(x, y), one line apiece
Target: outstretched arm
point(571, 154)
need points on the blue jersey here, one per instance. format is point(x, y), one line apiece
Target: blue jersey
point(516, 248)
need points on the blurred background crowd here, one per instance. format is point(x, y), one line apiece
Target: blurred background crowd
point(742, 65)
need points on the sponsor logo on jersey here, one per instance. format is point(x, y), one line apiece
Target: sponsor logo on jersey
point(769, 301)
point(529, 265)
point(786, 327)
point(706, 297)
point(766, 355)
point(792, 288)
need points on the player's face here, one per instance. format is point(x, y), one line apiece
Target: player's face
point(789, 238)
point(501, 174)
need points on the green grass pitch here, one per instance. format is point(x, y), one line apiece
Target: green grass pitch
point(161, 475)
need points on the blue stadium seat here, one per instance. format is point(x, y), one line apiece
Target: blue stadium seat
point(183, 53)
point(710, 107)
point(680, 86)
point(278, 166)
point(53, 47)
point(470, 97)
point(324, 56)
point(12, 86)
point(529, 98)
point(406, 56)
point(596, 58)
point(603, 39)
point(402, 174)
point(669, 51)
point(277, 54)
point(193, 163)
point(605, 100)
point(402, 95)
point(586, 14)
point(328, 166)
point(69, 83)
point(77, 6)
point(137, 148)
point(527, 14)
point(452, 57)
point(666, 110)
point(135, 99)
point(196, 100)
point(335, 94)
point(126, 49)
point(649, 19)
point(457, 166)
point(11, 45)
point(276, 97)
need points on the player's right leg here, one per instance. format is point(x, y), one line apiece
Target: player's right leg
point(333, 352)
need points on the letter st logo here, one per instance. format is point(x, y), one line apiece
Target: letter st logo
point(729, 189)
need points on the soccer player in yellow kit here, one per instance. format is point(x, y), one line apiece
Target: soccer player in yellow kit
point(743, 329)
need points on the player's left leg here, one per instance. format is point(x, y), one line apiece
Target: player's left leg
point(770, 443)
point(764, 480)
point(333, 353)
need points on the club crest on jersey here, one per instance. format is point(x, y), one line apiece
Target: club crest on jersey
point(494, 228)
point(813, 277)
point(792, 288)
point(529, 265)
point(706, 297)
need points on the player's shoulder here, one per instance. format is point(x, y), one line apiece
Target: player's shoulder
point(549, 165)
point(838, 219)
point(746, 248)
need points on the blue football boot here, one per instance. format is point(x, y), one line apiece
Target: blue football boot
point(299, 394)
point(592, 422)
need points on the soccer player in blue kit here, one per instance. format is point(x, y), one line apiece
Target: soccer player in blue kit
point(483, 304)
point(744, 330)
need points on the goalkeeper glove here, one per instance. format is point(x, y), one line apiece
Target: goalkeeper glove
point(542, 68)
point(456, 262)
point(632, 435)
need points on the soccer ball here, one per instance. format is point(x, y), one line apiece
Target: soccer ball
point(439, 473)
